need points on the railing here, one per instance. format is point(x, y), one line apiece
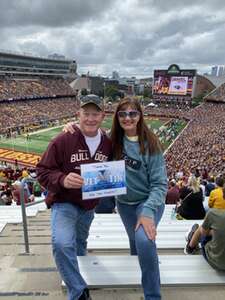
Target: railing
point(23, 209)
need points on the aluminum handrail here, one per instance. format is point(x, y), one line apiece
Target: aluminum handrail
point(23, 209)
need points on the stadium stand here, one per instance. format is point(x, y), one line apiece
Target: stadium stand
point(16, 115)
point(122, 271)
point(33, 88)
point(34, 101)
point(201, 144)
point(218, 94)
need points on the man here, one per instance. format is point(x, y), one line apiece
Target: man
point(173, 194)
point(16, 193)
point(210, 186)
point(59, 172)
point(212, 238)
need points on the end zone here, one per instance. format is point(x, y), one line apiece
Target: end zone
point(23, 158)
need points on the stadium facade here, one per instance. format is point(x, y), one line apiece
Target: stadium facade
point(12, 64)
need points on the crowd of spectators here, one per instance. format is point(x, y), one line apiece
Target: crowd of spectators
point(15, 115)
point(201, 144)
point(11, 89)
point(11, 183)
point(196, 195)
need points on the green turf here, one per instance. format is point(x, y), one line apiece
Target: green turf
point(155, 123)
point(37, 142)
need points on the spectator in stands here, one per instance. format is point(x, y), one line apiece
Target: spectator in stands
point(36, 189)
point(2, 175)
point(142, 207)
point(205, 174)
point(25, 173)
point(210, 186)
point(202, 184)
point(17, 185)
point(173, 194)
point(217, 196)
point(59, 172)
point(6, 196)
point(191, 204)
point(212, 238)
point(197, 173)
point(2, 199)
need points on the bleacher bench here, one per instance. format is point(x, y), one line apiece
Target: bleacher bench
point(2, 226)
point(123, 271)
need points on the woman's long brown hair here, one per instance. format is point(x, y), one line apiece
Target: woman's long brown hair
point(146, 138)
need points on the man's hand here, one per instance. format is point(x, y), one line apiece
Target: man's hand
point(73, 181)
point(148, 225)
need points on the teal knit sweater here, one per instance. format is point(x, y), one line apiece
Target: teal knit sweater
point(146, 179)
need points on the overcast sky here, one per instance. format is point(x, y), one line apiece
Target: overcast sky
point(133, 37)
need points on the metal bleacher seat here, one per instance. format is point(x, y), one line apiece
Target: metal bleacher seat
point(112, 269)
point(12, 214)
point(2, 225)
point(123, 271)
point(117, 242)
point(108, 233)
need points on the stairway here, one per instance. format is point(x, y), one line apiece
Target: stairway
point(29, 276)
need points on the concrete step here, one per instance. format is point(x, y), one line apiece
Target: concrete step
point(5, 240)
point(34, 276)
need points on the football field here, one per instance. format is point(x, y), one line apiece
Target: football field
point(37, 142)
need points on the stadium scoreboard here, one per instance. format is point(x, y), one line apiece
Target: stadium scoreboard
point(173, 84)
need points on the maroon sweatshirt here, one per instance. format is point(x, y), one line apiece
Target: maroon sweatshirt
point(65, 154)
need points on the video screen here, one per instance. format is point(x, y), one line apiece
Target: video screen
point(173, 85)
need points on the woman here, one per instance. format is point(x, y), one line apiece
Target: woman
point(217, 196)
point(142, 207)
point(191, 205)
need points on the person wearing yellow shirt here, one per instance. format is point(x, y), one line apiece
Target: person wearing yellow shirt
point(2, 174)
point(217, 196)
point(25, 173)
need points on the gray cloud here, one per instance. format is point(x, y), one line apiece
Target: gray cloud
point(132, 36)
point(52, 13)
point(177, 5)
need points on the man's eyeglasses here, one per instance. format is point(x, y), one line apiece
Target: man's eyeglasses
point(131, 114)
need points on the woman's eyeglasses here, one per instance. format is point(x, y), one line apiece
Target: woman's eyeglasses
point(131, 114)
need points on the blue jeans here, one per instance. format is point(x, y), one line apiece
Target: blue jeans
point(142, 246)
point(204, 240)
point(70, 228)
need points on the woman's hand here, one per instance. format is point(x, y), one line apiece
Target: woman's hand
point(148, 225)
point(69, 127)
point(73, 181)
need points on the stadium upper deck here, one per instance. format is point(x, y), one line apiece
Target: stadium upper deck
point(19, 64)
